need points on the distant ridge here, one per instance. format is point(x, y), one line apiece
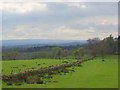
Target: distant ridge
point(41, 42)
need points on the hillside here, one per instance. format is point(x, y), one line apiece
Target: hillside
point(41, 42)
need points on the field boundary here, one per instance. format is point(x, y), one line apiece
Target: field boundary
point(25, 74)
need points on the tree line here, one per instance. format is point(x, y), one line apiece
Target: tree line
point(94, 47)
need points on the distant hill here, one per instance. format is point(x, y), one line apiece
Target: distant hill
point(41, 42)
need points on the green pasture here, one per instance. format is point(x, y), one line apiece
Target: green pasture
point(92, 74)
point(24, 65)
point(18, 65)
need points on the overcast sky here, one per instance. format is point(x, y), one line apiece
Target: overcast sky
point(67, 21)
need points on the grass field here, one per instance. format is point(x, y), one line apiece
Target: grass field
point(8, 66)
point(92, 74)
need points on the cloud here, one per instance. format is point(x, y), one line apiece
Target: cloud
point(23, 7)
point(96, 20)
point(60, 20)
point(64, 30)
point(83, 6)
point(78, 5)
point(61, 32)
point(22, 31)
point(61, 1)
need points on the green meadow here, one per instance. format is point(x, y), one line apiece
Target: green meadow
point(92, 74)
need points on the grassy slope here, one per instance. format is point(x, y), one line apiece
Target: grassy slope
point(6, 65)
point(92, 74)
